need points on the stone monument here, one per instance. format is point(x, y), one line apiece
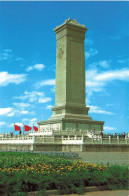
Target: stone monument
point(70, 111)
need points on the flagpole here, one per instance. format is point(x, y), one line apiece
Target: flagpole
point(14, 129)
point(23, 128)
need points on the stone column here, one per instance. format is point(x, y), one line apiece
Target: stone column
point(70, 69)
point(118, 139)
point(70, 107)
point(109, 139)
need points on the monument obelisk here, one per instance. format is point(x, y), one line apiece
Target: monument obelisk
point(70, 111)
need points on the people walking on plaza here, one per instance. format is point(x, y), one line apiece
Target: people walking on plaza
point(123, 134)
point(101, 133)
point(115, 134)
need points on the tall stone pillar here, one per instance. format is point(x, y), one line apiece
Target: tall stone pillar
point(70, 111)
point(70, 71)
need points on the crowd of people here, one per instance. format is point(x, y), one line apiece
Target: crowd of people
point(115, 134)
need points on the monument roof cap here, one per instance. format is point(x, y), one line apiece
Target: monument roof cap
point(71, 22)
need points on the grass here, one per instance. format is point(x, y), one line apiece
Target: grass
point(24, 172)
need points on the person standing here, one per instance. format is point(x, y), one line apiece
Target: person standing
point(101, 133)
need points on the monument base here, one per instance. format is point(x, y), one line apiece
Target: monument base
point(70, 124)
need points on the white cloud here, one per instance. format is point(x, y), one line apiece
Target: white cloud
point(11, 114)
point(18, 112)
point(6, 78)
point(44, 100)
point(46, 83)
point(38, 67)
point(2, 124)
point(91, 52)
point(12, 111)
point(33, 119)
point(52, 89)
point(31, 96)
point(16, 123)
point(123, 61)
point(25, 119)
point(95, 80)
point(109, 128)
point(49, 107)
point(24, 112)
point(104, 64)
point(21, 105)
point(5, 54)
point(122, 74)
point(50, 82)
point(96, 109)
point(5, 111)
point(88, 41)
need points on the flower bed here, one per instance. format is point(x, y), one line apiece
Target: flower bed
point(24, 172)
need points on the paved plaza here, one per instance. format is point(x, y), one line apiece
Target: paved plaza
point(105, 193)
point(120, 158)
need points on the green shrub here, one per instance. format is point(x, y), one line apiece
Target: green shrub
point(24, 172)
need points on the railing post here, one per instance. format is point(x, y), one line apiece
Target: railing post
point(109, 139)
point(33, 139)
point(81, 145)
point(75, 138)
point(53, 139)
point(32, 145)
point(126, 142)
point(92, 139)
point(101, 139)
point(82, 139)
point(118, 139)
point(68, 138)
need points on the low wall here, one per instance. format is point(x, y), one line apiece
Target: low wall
point(105, 148)
point(16, 147)
point(57, 147)
point(67, 147)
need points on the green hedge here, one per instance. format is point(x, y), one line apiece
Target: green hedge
point(24, 172)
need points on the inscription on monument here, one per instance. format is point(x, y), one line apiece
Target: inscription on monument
point(60, 51)
point(56, 126)
point(49, 127)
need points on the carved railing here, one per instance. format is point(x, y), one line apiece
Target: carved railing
point(65, 139)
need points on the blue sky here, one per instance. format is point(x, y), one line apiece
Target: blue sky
point(28, 60)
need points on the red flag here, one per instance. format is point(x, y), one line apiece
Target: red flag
point(27, 128)
point(35, 128)
point(17, 128)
